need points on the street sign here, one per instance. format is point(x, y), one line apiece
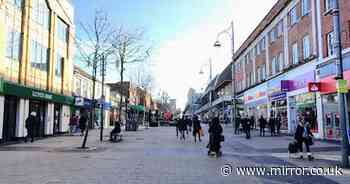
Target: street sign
point(342, 86)
point(314, 87)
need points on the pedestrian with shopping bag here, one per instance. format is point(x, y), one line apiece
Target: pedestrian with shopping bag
point(303, 135)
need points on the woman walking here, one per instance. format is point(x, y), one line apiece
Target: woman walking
point(304, 135)
point(196, 129)
point(215, 133)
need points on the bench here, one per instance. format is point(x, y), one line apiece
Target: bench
point(116, 137)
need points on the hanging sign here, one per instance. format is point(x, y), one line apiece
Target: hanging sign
point(314, 87)
point(342, 86)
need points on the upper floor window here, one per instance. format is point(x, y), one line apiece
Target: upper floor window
point(13, 45)
point(273, 35)
point(306, 47)
point(263, 72)
point(41, 13)
point(78, 87)
point(330, 43)
point(305, 7)
point(294, 16)
point(329, 4)
point(281, 61)
point(280, 28)
point(59, 65)
point(17, 3)
point(257, 49)
point(62, 30)
point(262, 44)
point(39, 56)
point(273, 65)
point(295, 53)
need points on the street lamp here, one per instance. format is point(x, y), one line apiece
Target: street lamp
point(201, 72)
point(335, 12)
point(230, 32)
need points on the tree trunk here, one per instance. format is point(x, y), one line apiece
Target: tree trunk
point(121, 92)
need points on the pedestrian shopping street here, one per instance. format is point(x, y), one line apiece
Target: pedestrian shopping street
point(153, 156)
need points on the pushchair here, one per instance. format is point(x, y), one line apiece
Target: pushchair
point(214, 146)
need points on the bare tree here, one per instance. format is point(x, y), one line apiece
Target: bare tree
point(129, 47)
point(93, 48)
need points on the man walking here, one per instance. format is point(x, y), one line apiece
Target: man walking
point(262, 124)
point(30, 124)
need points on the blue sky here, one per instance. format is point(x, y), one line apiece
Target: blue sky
point(182, 33)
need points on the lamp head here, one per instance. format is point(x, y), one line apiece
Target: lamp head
point(217, 44)
point(201, 72)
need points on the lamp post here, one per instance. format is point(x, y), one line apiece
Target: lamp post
point(210, 78)
point(230, 32)
point(335, 12)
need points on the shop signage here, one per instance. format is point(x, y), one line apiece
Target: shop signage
point(286, 85)
point(342, 86)
point(79, 101)
point(43, 95)
point(1, 86)
point(278, 96)
point(314, 87)
point(26, 92)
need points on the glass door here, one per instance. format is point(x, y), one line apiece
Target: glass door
point(10, 112)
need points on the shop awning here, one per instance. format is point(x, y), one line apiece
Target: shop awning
point(139, 108)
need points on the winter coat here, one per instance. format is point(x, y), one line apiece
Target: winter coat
point(299, 133)
point(262, 122)
point(82, 122)
point(215, 130)
point(30, 123)
point(196, 125)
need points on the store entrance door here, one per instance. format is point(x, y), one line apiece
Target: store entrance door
point(40, 109)
point(57, 119)
point(10, 112)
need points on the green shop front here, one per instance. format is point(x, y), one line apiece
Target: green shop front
point(52, 111)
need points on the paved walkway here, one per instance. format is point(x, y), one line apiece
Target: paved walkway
point(151, 156)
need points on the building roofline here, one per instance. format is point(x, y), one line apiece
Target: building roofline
point(265, 22)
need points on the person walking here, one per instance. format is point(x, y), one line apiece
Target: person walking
point(262, 124)
point(215, 134)
point(73, 122)
point(82, 124)
point(272, 125)
point(30, 123)
point(189, 124)
point(278, 124)
point(182, 128)
point(304, 135)
point(248, 125)
point(253, 123)
point(196, 129)
point(237, 124)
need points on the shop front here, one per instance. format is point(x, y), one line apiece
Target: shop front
point(277, 100)
point(278, 108)
point(255, 101)
point(300, 102)
point(329, 98)
point(19, 101)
